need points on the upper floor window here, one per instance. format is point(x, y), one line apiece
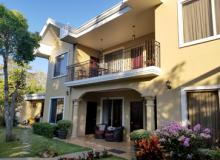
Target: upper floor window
point(199, 21)
point(60, 65)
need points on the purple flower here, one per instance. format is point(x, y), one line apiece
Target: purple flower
point(197, 128)
point(207, 131)
point(205, 136)
point(186, 142)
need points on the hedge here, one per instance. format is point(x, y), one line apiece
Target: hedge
point(44, 129)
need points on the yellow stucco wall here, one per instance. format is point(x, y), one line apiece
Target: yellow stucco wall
point(55, 85)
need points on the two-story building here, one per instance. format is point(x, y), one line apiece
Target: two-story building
point(136, 65)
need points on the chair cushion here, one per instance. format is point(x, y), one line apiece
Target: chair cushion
point(102, 127)
point(110, 128)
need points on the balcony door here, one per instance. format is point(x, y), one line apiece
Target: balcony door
point(112, 112)
point(137, 57)
point(114, 61)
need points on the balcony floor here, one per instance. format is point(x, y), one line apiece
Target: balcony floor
point(131, 74)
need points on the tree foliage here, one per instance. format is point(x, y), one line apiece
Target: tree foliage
point(17, 43)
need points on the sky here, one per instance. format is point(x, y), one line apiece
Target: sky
point(73, 12)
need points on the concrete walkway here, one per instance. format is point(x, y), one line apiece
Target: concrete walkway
point(100, 145)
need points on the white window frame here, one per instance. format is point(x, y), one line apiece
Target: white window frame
point(180, 26)
point(50, 103)
point(62, 75)
point(184, 112)
point(112, 98)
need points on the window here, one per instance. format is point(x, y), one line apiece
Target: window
point(56, 109)
point(203, 108)
point(112, 112)
point(60, 65)
point(198, 20)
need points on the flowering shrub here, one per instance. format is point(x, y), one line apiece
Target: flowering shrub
point(149, 149)
point(182, 143)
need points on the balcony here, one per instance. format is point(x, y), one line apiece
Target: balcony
point(139, 61)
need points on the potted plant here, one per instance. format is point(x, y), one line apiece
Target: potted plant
point(136, 136)
point(63, 128)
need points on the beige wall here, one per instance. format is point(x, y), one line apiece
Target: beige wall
point(55, 86)
point(83, 53)
point(189, 66)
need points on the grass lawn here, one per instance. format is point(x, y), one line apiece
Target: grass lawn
point(112, 158)
point(31, 144)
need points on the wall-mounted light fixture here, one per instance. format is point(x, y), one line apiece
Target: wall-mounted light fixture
point(67, 93)
point(168, 84)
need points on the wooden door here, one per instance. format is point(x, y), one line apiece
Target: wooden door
point(91, 117)
point(136, 118)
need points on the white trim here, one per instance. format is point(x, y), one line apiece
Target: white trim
point(212, 38)
point(144, 114)
point(67, 63)
point(60, 76)
point(64, 106)
point(214, 17)
point(112, 98)
point(180, 27)
point(183, 93)
point(108, 15)
point(135, 73)
point(28, 97)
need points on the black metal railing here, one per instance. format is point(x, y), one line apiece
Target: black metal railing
point(142, 55)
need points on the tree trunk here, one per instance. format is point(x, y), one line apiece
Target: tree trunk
point(8, 115)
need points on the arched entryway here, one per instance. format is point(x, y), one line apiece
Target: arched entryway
point(121, 107)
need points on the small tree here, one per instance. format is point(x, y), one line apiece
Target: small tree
point(18, 43)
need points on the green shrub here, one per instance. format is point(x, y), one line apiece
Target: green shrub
point(139, 134)
point(45, 129)
point(64, 125)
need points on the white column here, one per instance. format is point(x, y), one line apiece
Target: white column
point(75, 117)
point(150, 115)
